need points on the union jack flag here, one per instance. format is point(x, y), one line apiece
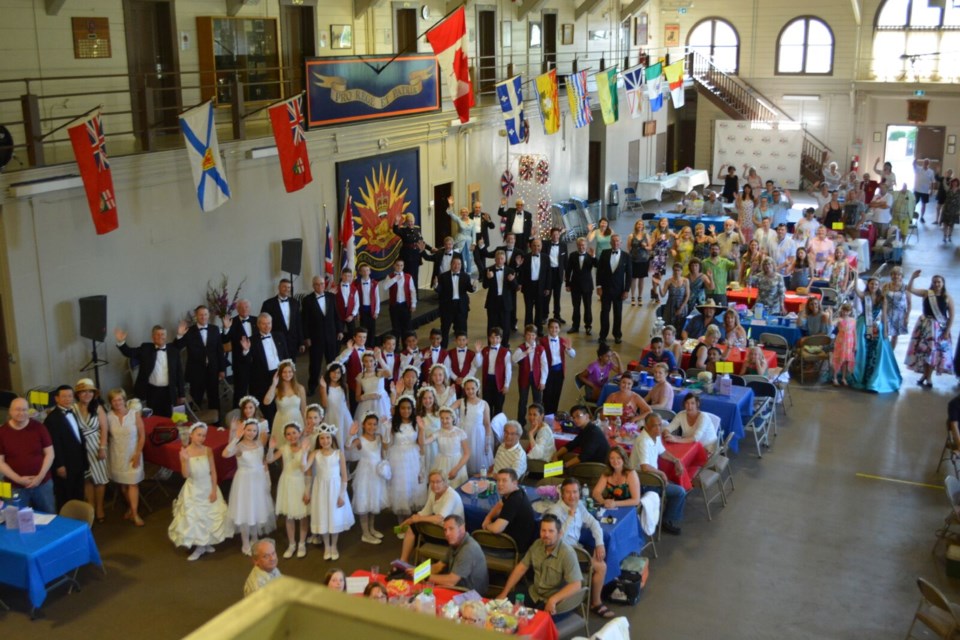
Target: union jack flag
point(295, 114)
point(98, 144)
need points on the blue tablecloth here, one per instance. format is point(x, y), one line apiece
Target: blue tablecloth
point(674, 218)
point(792, 333)
point(733, 410)
point(30, 561)
point(620, 538)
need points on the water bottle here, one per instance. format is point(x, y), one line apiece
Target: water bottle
point(584, 494)
point(427, 602)
point(519, 601)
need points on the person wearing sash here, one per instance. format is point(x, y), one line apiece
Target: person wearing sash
point(929, 350)
point(876, 366)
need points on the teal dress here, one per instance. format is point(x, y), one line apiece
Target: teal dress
point(876, 367)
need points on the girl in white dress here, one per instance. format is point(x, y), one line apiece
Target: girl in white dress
point(333, 397)
point(250, 409)
point(475, 422)
point(406, 490)
point(308, 442)
point(369, 489)
point(453, 450)
point(408, 385)
point(200, 517)
point(330, 511)
point(370, 391)
point(251, 507)
point(428, 425)
point(446, 394)
point(291, 399)
point(292, 496)
point(125, 452)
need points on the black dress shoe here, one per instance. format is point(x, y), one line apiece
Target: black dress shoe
point(617, 340)
point(573, 330)
point(561, 320)
point(670, 528)
point(589, 331)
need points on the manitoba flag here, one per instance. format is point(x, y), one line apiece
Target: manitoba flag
point(348, 253)
point(287, 120)
point(449, 42)
point(89, 148)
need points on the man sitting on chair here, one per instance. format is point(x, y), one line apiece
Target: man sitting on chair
point(465, 566)
point(510, 455)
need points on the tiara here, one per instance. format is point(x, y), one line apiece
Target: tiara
point(197, 425)
point(288, 361)
point(256, 403)
point(446, 409)
point(337, 365)
point(470, 379)
point(425, 389)
point(251, 421)
point(438, 366)
point(410, 367)
point(293, 424)
point(370, 414)
point(314, 405)
point(327, 428)
point(406, 396)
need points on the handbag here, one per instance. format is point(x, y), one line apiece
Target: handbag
point(384, 470)
point(623, 590)
point(164, 435)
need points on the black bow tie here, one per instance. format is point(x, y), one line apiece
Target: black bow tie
point(448, 254)
point(161, 348)
point(614, 253)
point(266, 337)
point(284, 299)
point(202, 328)
point(67, 411)
point(582, 255)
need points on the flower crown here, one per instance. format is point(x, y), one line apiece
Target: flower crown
point(198, 425)
point(314, 405)
point(426, 389)
point(407, 396)
point(244, 399)
point(470, 379)
point(447, 410)
point(337, 365)
point(289, 362)
point(410, 367)
point(251, 421)
point(438, 366)
point(298, 426)
point(370, 414)
point(330, 429)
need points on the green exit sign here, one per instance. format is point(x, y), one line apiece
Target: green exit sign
point(919, 93)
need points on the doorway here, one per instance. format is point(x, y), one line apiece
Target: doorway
point(6, 382)
point(405, 30)
point(442, 226)
point(906, 144)
point(594, 169)
point(298, 41)
point(549, 41)
point(487, 48)
point(153, 62)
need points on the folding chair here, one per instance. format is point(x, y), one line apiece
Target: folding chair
point(830, 297)
point(585, 560)
point(763, 388)
point(778, 344)
point(666, 415)
point(588, 473)
point(570, 624)
point(707, 479)
point(947, 453)
point(82, 511)
point(631, 201)
point(758, 426)
point(722, 463)
point(782, 383)
point(736, 380)
point(431, 543)
point(913, 230)
point(501, 553)
point(653, 480)
point(952, 485)
point(692, 372)
point(817, 357)
point(935, 612)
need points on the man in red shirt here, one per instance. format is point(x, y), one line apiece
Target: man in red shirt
point(26, 455)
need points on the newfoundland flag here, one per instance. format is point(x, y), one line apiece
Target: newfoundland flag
point(89, 148)
point(287, 120)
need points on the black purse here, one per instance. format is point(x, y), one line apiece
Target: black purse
point(623, 590)
point(164, 435)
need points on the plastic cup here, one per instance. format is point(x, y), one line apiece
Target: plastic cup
point(374, 571)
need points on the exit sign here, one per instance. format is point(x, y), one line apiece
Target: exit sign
point(919, 93)
point(682, 10)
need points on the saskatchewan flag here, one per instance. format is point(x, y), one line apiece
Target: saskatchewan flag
point(607, 92)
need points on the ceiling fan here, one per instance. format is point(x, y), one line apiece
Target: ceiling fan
point(913, 62)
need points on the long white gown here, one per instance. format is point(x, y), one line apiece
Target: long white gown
point(431, 426)
point(450, 450)
point(196, 520)
point(250, 501)
point(369, 489)
point(325, 515)
point(471, 421)
point(337, 413)
point(288, 410)
point(407, 487)
point(373, 385)
point(292, 485)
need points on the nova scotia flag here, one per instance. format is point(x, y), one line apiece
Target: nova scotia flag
point(200, 133)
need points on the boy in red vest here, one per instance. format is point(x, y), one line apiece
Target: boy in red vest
point(348, 302)
point(368, 297)
point(556, 350)
point(460, 362)
point(494, 366)
point(431, 355)
point(403, 298)
point(410, 356)
point(532, 375)
point(388, 357)
point(352, 359)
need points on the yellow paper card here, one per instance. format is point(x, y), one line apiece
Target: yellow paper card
point(724, 367)
point(421, 572)
point(41, 398)
point(612, 409)
point(553, 469)
point(837, 226)
point(6, 490)
point(179, 418)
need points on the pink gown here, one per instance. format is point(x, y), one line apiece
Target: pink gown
point(844, 345)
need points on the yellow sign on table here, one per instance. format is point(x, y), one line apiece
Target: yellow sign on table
point(179, 418)
point(421, 572)
point(724, 367)
point(612, 409)
point(837, 226)
point(6, 490)
point(553, 469)
point(41, 398)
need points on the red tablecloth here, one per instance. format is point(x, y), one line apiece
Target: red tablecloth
point(691, 454)
point(168, 455)
point(792, 301)
point(540, 627)
point(869, 234)
point(736, 356)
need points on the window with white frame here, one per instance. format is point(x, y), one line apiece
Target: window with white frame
point(916, 40)
point(805, 47)
point(716, 38)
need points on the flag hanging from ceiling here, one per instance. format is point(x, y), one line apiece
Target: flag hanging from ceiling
point(547, 96)
point(200, 133)
point(449, 42)
point(607, 92)
point(90, 150)
point(510, 94)
point(655, 86)
point(674, 73)
point(633, 81)
point(328, 256)
point(579, 99)
point(287, 120)
point(348, 252)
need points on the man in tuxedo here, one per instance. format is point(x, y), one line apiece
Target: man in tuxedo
point(322, 330)
point(206, 365)
point(486, 223)
point(535, 284)
point(513, 258)
point(517, 221)
point(69, 452)
point(441, 259)
point(402, 291)
point(556, 251)
point(579, 278)
point(159, 382)
point(453, 290)
point(285, 311)
point(500, 281)
point(264, 351)
point(613, 287)
point(241, 325)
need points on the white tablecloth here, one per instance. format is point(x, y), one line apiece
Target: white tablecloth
point(652, 188)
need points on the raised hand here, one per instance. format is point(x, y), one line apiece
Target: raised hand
point(323, 384)
point(450, 200)
point(273, 442)
point(503, 202)
point(354, 428)
point(245, 343)
point(184, 456)
point(227, 322)
point(916, 274)
point(182, 327)
point(478, 346)
point(120, 334)
point(276, 377)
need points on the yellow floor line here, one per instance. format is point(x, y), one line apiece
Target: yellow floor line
point(916, 484)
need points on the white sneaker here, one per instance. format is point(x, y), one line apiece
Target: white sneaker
point(302, 550)
point(245, 550)
point(375, 533)
point(290, 551)
point(208, 549)
point(196, 554)
point(370, 539)
point(334, 555)
point(326, 554)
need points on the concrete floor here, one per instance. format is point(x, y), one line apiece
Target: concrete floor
point(806, 548)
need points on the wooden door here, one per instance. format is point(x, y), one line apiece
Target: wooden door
point(487, 49)
point(405, 30)
point(549, 41)
point(298, 41)
point(6, 382)
point(929, 143)
point(153, 61)
point(442, 225)
point(594, 166)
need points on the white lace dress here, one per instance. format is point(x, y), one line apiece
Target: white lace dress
point(471, 421)
point(325, 515)
point(337, 413)
point(450, 445)
point(288, 410)
point(369, 489)
point(431, 426)
point(123, 442)
point(250, 501)
point(373, 385)
point(196, 520)
point(406, 490)
point(292, 485)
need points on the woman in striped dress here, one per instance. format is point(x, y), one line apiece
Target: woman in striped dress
point(93, 424)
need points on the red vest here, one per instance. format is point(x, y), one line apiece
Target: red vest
point(455, 368)
point(426, 355)
point(500, 369)
point(408, 291)
point(374, 295)
point(395, 370)
point(347, 308)
point(545, 342)
point(354, 367)
point(524, 380)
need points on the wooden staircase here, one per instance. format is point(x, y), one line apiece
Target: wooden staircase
point(740, 101)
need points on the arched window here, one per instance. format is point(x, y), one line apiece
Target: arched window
point(717, 39)
point(805, 46)
point(909, 36)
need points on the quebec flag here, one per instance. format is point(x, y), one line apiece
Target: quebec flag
point(200, 134)
point(510, 94)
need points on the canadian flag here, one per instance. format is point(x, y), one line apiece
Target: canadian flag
point(449, 42)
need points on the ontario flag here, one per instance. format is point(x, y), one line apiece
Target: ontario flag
point(89, 148)
point(348, 252)
point(287, 120)
point(449, 42)
point(328, 257)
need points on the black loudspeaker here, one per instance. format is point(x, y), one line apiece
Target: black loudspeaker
point(93, 318)
point(291, 255)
